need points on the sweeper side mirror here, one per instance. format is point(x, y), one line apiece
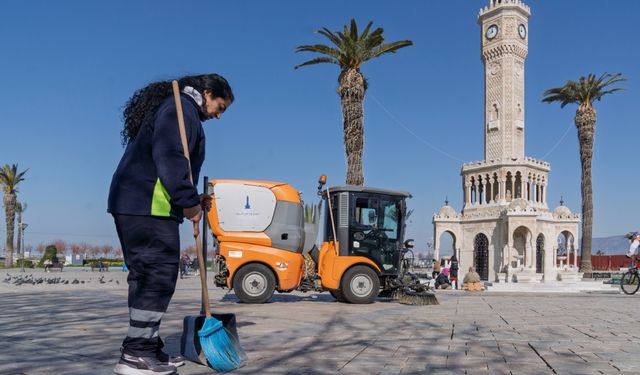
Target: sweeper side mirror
point(321, 182)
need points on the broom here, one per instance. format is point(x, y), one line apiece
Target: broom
point(221, 348)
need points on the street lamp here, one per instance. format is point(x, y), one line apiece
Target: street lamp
point(23, 226)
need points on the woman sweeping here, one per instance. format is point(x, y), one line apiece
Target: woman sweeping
point(150, 195)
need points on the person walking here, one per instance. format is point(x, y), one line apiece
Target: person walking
point(149, 197)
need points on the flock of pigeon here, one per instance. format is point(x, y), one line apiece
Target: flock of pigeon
point(30, 280)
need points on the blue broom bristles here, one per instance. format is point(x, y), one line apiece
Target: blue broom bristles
point(223, 351)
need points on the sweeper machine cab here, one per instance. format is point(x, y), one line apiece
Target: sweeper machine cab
point(260, 230)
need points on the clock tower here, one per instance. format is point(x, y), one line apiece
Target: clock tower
point(505, 228)
point(504, 32)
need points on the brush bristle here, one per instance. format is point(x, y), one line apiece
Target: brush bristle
point(416, 298)
point(223, 350)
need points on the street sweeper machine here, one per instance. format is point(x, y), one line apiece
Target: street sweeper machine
point(262, 240)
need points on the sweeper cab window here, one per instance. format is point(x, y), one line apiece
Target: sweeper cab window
point(374, 227)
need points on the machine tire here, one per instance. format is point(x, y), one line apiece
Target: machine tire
point(337, 294)
point(254, 283)
point(360, 285)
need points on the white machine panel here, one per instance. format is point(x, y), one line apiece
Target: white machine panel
point(244, 208)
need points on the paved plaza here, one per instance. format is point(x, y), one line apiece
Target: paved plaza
point(78, 328)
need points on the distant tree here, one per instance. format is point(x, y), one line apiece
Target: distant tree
point(190, 250)
point(93, 251)
point(10, 178)
point(51, 252)
point(61, 246)
point(583, 93)
point(41, 248)
point(75, 248)
point(349, 52)
point(106, 250)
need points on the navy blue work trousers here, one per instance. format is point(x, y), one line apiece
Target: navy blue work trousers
point(151, 249)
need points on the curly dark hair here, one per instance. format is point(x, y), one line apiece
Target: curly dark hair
point(140, 109)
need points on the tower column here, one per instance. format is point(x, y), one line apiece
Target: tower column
point(467, 189)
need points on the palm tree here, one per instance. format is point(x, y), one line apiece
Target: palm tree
point(9, 179)
point(349, 52)
point(583, 93)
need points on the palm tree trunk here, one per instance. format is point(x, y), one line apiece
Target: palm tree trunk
point(586, 123)
point(10, 214)
point(351, 91)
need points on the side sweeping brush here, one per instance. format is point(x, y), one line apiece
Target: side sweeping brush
point(406, 296)
point(410, 290)
point(220, 346)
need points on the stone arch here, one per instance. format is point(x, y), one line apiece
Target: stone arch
point(473, 190)
point(522, 253)
point(481, 255)
point(481, 190)
point(439, 230)
point(518, 185)
point(448, 246)
point(496, 188)
point(494, 112)
point(508, 194)
point(566, 253)
point(488, 188)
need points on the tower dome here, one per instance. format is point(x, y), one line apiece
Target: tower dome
point(447, 211)
point(562, 211)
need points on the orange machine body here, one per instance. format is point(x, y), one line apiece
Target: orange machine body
point(239, 248)
point(286, 266)
point(331, 267)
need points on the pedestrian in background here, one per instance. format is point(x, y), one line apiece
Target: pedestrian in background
point(453, 269)
point(436, 269)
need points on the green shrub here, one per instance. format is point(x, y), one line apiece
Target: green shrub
point(49, 253)
point(28, 263)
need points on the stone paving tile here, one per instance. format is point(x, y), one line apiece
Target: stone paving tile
point(312, 334)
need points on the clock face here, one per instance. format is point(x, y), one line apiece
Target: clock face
point(492, 31)
point(522, 31)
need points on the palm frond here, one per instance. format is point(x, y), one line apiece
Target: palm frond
point(331, 36)
point(354, 30)
point(318, 60)
point(320, 48)
point(365, 32)
point(389, 48)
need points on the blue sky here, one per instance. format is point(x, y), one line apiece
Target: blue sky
point(68, 67)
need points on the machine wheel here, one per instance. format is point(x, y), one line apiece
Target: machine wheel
point(360, 285)
point(337, 294)
point(254, 283)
